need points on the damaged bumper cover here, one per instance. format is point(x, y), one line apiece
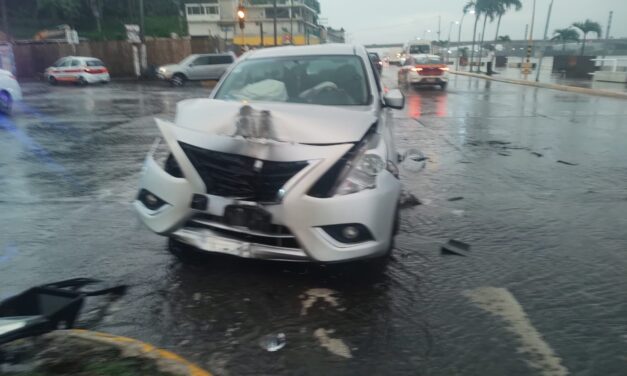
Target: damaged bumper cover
point(300, 224)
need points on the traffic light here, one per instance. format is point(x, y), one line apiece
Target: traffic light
point(241, 16)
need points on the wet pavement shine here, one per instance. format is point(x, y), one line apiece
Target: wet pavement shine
point(541, 176)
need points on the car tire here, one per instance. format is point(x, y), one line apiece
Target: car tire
point(178, 79)
point(82, 81)
point(443, 86)
point(6, 102)
point(53, 81)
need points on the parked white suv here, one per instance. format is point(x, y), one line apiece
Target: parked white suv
point(196, 67)
point(291, 158)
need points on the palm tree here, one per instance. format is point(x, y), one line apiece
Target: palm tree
point(490, 9)
point(565, 35)
point(587, 27)
point(503, 38)
point(473, 5)
point(504, 6)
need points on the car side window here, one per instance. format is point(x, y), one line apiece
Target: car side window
point(203, 60)
point(65, 63)
point(223, 59)
point(76, 63)
point(58, 62)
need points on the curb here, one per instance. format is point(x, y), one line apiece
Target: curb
point(164, 360)
point(571, 89)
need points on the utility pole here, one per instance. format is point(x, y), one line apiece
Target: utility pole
point(546, 32)
point(142, 33)
point(291, 21)
point(260, 23)
point(275, 32)
point(5, 18)
point(607, 35)
point(527, 69)
point(607, 32)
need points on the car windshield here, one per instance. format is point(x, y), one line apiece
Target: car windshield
point(324, 80)
point(431, 59)
point(420, 49)
point(94, 63)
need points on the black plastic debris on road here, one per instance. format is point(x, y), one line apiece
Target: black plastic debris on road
point(456, 248)
point(567, 163)
point(408, 200)
point(537, 154)
point(456, 198)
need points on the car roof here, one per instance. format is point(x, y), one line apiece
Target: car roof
point(312, 50)
point(80, 57)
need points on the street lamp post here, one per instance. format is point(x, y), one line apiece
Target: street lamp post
point(424, 33)
point(448, 40)
point(459, 37)
point(527, 68)
point(546, 32)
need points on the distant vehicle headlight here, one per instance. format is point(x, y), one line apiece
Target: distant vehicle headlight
point(161, 70)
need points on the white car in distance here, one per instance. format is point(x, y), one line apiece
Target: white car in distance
point(79, 70)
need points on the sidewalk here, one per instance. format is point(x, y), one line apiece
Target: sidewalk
point(568, 86)
point(548, 77)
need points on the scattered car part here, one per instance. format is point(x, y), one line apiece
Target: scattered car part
point(455, 247)
point(47, 307)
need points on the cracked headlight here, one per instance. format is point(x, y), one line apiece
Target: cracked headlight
point(161, 153)
point(361, 174)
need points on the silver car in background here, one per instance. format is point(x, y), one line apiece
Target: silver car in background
point(196, 67)
point(290, 158)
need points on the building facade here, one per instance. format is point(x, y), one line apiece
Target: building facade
point(297, 21)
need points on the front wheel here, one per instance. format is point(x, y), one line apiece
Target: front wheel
point(52, 80)
point(177, 80)
point(6, 102)
point(82, 81)
point(443, 86)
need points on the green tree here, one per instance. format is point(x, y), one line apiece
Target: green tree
point(503, 38)
point(503, 7)
point(587, 27)
point(68, 10)
point(565, 35)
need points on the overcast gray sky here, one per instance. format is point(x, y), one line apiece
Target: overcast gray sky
point(370, 21)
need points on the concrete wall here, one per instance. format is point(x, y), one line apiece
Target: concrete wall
point(31, 59)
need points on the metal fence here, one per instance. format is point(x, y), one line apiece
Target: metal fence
point(32, 58)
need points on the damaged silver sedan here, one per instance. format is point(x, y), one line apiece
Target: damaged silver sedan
point(290, 158)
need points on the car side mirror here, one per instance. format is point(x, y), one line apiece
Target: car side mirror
point(394, 99)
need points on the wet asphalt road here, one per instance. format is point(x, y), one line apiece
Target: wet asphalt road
point(549, 240)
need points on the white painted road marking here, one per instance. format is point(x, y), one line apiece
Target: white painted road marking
point(500, 302)
point(334, 345)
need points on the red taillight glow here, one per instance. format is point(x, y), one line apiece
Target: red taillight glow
point(95, 70)
point(416, 69)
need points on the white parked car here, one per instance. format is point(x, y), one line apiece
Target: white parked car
point(290, 158)
point(10, 91)
point(196, 67)
point(79, 70)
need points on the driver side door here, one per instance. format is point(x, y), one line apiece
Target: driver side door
point(199, 69)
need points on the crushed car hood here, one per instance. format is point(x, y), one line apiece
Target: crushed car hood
point(281, 122)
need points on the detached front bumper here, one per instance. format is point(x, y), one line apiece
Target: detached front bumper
point(298, 221)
